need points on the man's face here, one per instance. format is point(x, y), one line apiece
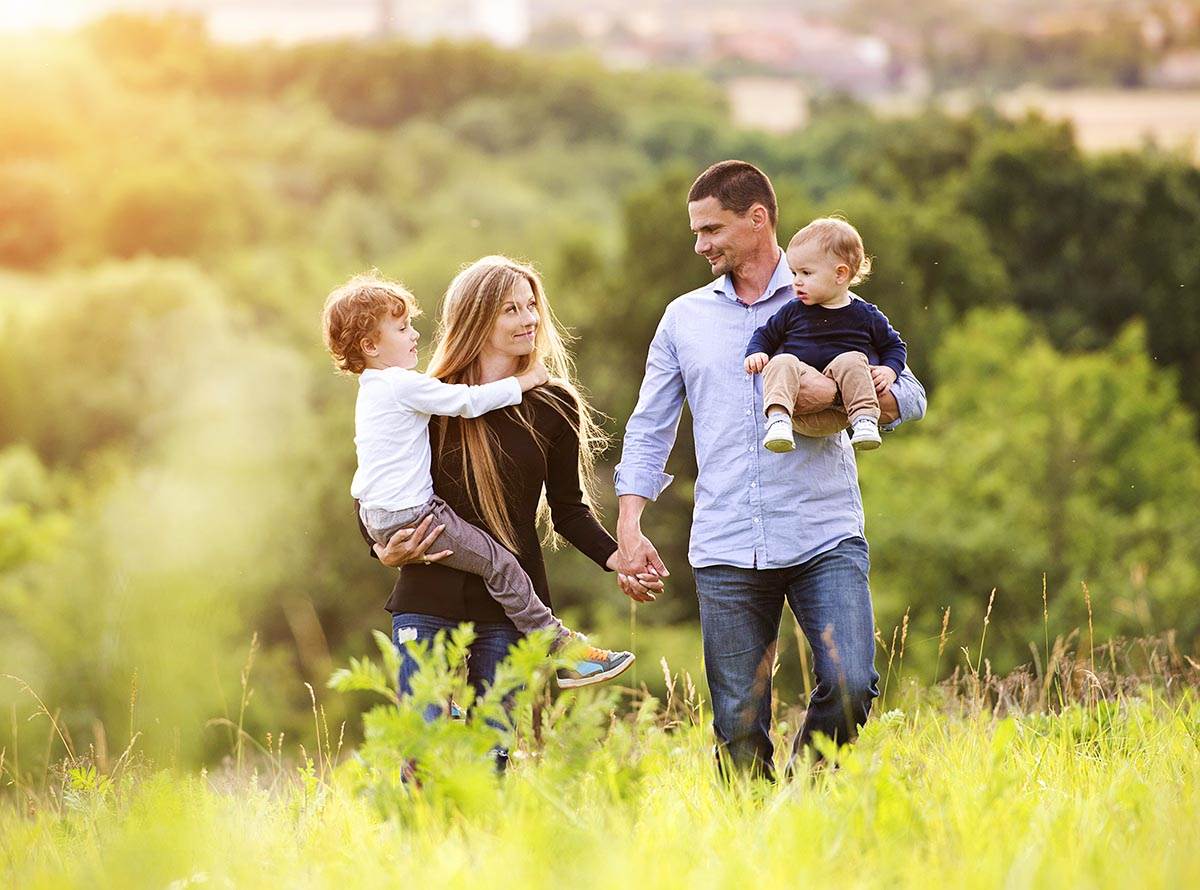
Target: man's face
point(722, 236)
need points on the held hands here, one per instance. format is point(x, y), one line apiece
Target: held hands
point(756, 362)
point(640, 586)
point(410, 545)
point(883, 377)
point(640, 572)
point(535, 376)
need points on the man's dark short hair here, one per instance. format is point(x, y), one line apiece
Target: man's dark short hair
point(738, 186)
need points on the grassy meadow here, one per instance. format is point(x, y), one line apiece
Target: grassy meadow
point(1087, 777)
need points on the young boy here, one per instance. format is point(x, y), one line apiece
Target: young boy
point(826, 328)
point(368, 331)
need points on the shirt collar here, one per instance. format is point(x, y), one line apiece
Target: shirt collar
point(782, 277)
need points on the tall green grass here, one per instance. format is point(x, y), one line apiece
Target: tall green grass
point(1086, 775)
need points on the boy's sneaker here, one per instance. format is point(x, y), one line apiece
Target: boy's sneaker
point(593, 665)
point(779, 435)
point(864, 434)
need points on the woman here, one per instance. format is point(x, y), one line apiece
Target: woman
point(493, 470)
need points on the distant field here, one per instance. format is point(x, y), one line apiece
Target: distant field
point(1105, 120)
point(1113, 119)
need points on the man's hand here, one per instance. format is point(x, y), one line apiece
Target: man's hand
point(636, 559)
point(410, 545)
point(883, 377)
point(641, 587)
point(816, 393)
point(756, 362)
point(636, 556)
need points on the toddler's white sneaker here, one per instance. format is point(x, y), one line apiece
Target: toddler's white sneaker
point(779, 435)
point(864, 434)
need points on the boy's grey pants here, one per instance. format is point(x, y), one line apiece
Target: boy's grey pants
point(476, 552)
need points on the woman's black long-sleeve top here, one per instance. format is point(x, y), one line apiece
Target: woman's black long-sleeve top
point(525, 467)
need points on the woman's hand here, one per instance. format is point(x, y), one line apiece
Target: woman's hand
point(640, 587)
point(410, 545)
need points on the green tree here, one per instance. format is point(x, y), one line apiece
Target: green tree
point(1027, 187)
point(168, 209)
point(31, 523)
point(34, 215)
point(1082, 466)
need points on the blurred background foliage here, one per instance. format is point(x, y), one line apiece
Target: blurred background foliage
point(175, 450)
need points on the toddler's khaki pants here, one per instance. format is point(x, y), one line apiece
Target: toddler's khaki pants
point(785, 377)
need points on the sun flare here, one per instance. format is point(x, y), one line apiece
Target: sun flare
point(30, 15)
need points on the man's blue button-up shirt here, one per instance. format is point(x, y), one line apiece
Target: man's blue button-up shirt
point(754, 508)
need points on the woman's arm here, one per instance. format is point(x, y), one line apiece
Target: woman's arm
point(572, 518)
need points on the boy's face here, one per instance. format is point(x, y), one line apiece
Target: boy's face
point(394, 344)
point(819, 278)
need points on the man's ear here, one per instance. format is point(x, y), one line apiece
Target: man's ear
point(368, 346)
point(759, 216)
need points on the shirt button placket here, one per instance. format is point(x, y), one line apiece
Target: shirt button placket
point(756, 491)
point(756, 522)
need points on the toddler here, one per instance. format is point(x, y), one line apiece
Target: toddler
point(829, 329)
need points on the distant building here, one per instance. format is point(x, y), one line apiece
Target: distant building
point(1178, 68)
point(774, 104)
point(819, 53)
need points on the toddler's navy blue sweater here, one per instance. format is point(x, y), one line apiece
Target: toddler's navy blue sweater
point(817, 335)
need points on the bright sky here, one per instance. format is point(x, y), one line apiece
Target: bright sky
point(23, 15)
point(283, 20)
point(504, 21)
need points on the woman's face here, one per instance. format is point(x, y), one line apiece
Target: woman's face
point(515, 327)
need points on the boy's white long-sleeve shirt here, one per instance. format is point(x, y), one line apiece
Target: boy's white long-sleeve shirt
point(391, 430)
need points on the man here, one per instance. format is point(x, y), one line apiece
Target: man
point(766, 527)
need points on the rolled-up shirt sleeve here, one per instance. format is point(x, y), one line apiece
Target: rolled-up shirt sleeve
point(910, 398)
point(651, 430)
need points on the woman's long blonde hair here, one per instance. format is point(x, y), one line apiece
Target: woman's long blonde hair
point(469, 311)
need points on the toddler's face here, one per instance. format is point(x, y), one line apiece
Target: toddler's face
point(396, 343)
point(819, 277)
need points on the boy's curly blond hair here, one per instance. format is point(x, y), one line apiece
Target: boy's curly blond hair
point(353, 313)
point(840, 240)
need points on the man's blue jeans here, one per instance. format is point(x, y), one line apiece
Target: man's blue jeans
point(492, 642)
point(740, 610)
